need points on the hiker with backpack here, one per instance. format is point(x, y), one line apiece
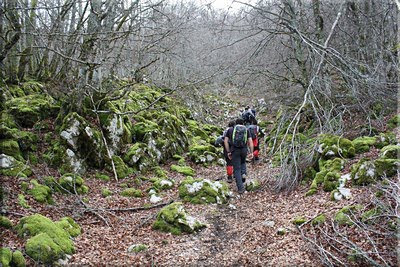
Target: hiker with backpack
point(220, 142)
point(249, 116)
point(256, 133)
point(236, 141)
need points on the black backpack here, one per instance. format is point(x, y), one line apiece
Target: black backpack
point(219, 141)
point(253, 131)
point(239, 136)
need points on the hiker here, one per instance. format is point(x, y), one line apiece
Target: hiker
point(220, 142)
point(236, 141)
point(256, 133)
point(249, 116)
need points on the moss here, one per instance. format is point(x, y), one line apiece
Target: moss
point(368, 216)
point(42, 248)
point(122, 170)
point(331, 181)
point(173, 219)
point(309, 173)
point(335, 146)
point(390, 152)
point(202, 191)
point(386, 167)
point(28, 110)
point(33, 158)
point(363, 144)
point(385, 139)
point(299, 220)
point(162, 184)
point(342, 217)
point(14, 167)
point(253, 185)
point(137, 248)
point(363, 172)
point(105, 192)
point(159, 172)
point(281, 231)
point(102, 176)
point(123, 185)
point(18, 260)
point(394, 122)
point(69, 225)
point(186, 170)
point(49, 241)
point(10, 148)
point(22, 201)
point(5, 222)
point(72, 182)
point(5, 257)
point(41, 193)
point(320, 219)
point(131, 192)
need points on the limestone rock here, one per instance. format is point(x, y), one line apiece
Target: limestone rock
point(201, 191)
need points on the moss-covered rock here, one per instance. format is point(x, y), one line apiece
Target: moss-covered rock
point(48, 241)
point(18, 260)
point(22, 201)
point(102, 176)
point(320, 219)
point(5, 222)
point(335, 146)
point(173, 219)
point(202, 191)
point(202, 152)
point(105, 192)
point(136, 248)
point(385, 139)
point(5, 257)
point(162, 184)
point(9, 166)
point(71, 183)
point(186, 170)
point(41, 193)
point(299, 220)
point(369, 215)
point(363, 144)
point(27, 110)
point(363, 172)
point(386, 167)
point(344, 215)
point(331, 181)
point(131, 192)
point(253, 185)
point(328, 176)
point(159, 172)
point(69, 225)
point(394, 122)
point(122, 170)
point(11, 148)
point(390, 152)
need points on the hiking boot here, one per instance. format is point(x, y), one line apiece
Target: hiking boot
point(230, 179)
point(243, 178)
point(241, 192)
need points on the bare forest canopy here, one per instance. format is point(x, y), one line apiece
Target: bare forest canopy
point(338, 54)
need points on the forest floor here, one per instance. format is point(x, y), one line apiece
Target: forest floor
point(241, 232)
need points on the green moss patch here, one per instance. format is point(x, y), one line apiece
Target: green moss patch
point(394, 122)
point(48, 241)
point(18, 260)
point(41, 193)
point(22, 201)
point(320, 219)
point(5, 256)
point(343, 216)
point(13, 167)
point(186, 170)
point(5, 222)
point(299, 220)
point(102, 176)
point(335, 146)
point(363, 144)
point(390, 152)
point(105, 192)
point(71, 183)
point(174, 219)
point(136, 248)
point(253, 185)
point(202, 191)
point(131, 192)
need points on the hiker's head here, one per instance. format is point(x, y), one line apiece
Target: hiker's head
point(247, 107)
point(239, 121)
point(231, 123)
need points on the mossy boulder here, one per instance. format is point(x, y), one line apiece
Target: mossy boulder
point(174, 219)
point(131, 192)
point(117, 130)
point(162, 184)
point(69, 225)
point(185, 170)
point(83, 140)
point(71, 183)
point(5, 222)
point(202, 152)
point(328, 176)
point(138, 158)
point(331, 181)
point(102, 176)
point(11, 148)
point(159, 172)
point(18, 259)
point(41, 193)
point(27, 110)
point(48, 242)
point(5, 257)
point(335, 146)
point(363, 172)
point(121, 168)
point(9, 166)
point(344, 215)
point(386, 167)
point(394, 122)
point(385, 139)
point(390, 152)
point(363, 144)
point(253, 185)
point(202, 191)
